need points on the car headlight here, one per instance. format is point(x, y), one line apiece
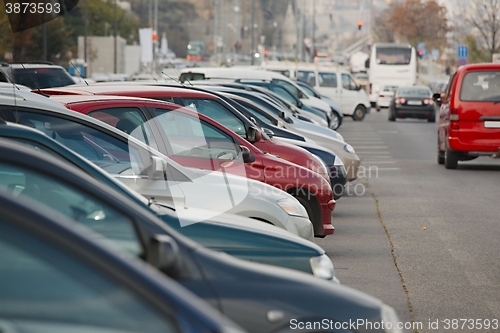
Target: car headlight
point(390, 319)
point(348, 148)
point(322, 267)
point(292, 207)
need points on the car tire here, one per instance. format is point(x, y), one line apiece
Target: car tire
point(335, 121)
point(359, 113)
point(391, 116)
point(378, 108)
point(450, 159)
point(440, 155)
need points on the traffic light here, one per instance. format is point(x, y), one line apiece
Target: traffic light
point(360, 24)
point(420, 54)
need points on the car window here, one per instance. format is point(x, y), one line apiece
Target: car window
point(283, 93)
point(328, 80)
point(289, 87)
point(414, 92)
point(307, 76)
point(190, 136)
point(308, 90)
point(259, 114)
point(81, 207)
point(52, 290)
point(263, 104)
point(107, 152)
point(42, 77)
point(480, 86)
point(127, 119)
point(217, 112)
point(348, 83)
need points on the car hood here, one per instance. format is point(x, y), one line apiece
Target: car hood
point(316, 103)
point(310, 129)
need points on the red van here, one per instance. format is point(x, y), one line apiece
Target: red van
point(181, 126)
point(469, 120)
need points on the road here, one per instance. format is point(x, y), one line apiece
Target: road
point(443, 227)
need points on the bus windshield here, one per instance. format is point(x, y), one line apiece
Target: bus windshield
point(393, 55)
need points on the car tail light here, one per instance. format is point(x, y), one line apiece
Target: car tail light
point(371, 88)
point(428, 101)
point(454, 125)
point(381, 96)
point(399, 100)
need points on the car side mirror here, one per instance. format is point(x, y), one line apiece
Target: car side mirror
point(268, 132)
point(247, 155)
point(158, 168)
point(300, 104)
point(164, 253)
point(358, 87)
point(252, 119)
point(436, 96)
point(253, 134)
point(281, 114)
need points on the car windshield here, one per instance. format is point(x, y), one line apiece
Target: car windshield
point(481, 86)
point(41, 77)
point(393, 55)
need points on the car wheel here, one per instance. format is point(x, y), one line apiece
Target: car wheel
point(391, 116)
point(335, 121)
point(450, 159)
point(440, 155)
point(378, 108)
point(359, 113)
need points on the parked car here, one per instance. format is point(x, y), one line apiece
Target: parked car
point(412, 102)
point(253, 76)
point(214, 150)
point(114, 152)
point(385, 97)
point(469, 121)
point(56, 277)
point(260, 298)
point(271, 103)
point(241, 237)
point(36, 75)
point(336, 169)
point(336, 116)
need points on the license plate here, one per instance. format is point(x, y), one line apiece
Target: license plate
point(414, 103)
point(492, 124)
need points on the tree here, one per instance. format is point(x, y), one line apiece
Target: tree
point(476, 53)
point(382, 28)
point(484, 16)
point(416, 21)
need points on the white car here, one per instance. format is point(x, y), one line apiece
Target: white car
point(184, 187)
point(385, 97)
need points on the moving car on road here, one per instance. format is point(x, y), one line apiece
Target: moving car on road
point(469, 121)
point(413, 102)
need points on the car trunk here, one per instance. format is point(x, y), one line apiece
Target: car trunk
point(480, 124)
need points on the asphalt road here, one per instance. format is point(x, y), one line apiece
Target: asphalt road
point(422, 238)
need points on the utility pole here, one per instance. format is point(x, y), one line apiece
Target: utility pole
point(85, 35)
point(45, 41)
point(253, 32)
point(115, 33)
point(155, 42)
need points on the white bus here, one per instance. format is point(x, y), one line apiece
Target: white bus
point(390, 64)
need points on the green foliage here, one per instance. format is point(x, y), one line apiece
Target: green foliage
point(476, 54)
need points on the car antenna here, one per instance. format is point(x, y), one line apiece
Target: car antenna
point(79, 73)
point(36, 85)
point(147, 69)
point(177, 69)
point(171, 78)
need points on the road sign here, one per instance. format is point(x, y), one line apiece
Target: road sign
point(435, 54)
point(420, 46)
point(463, 51)
point(462, 61)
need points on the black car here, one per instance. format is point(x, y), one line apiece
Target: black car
point(258, 297)
point(413, 102)
point(55, 277)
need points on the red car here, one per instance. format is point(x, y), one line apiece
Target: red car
point(469, 121)
point(194, 140)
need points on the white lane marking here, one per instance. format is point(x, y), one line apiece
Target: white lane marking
point(389, 132)
point(371, 147)
point(378, 162)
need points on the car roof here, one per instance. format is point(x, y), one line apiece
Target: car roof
point(76, 99)
point(481, 66)
point(235, 73)
point(132, 87)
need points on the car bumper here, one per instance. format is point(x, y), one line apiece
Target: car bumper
point(338, 179)
point(473, 149)
point(414, 112)
point(383, 103)
point(351, 164)
point(300, 226)
point(327, 218)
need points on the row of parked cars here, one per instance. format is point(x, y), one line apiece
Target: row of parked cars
point(158, 207)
